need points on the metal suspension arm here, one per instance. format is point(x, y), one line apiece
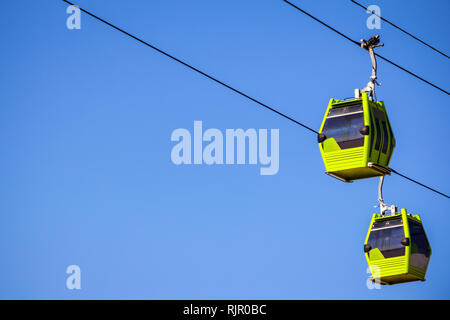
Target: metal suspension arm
point(380, 190)
point(369, 45)
point(383, 206)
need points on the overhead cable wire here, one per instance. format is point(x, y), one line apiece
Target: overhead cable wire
point(220, 82)
point(359, 45)
point(196, 69)
point(401, 29)
point(417, 182)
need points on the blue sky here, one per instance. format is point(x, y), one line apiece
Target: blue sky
point(86, 176)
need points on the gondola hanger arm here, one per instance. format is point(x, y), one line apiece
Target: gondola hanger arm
point(370, 45)
point(384, 208)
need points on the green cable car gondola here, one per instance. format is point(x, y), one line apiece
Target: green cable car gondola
point(396, 248)
point(356, 139)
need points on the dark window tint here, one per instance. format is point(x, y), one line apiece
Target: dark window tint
point(378, 139)
point(386, 138)
point(420, 248)
point(343, 124)
point(391, 141)
point(372, 134)
point(380, 119)
point(387, 236)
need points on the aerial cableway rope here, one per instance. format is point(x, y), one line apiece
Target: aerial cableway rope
point(401, 29)
point(220, 82)
point(359, 44)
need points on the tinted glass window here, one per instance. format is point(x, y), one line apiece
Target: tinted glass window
point(391, 149)
point(386, 138)
point(420, 248)
point(378, 126)
point(343, 124)
point(387, 237)
point(372, 134)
